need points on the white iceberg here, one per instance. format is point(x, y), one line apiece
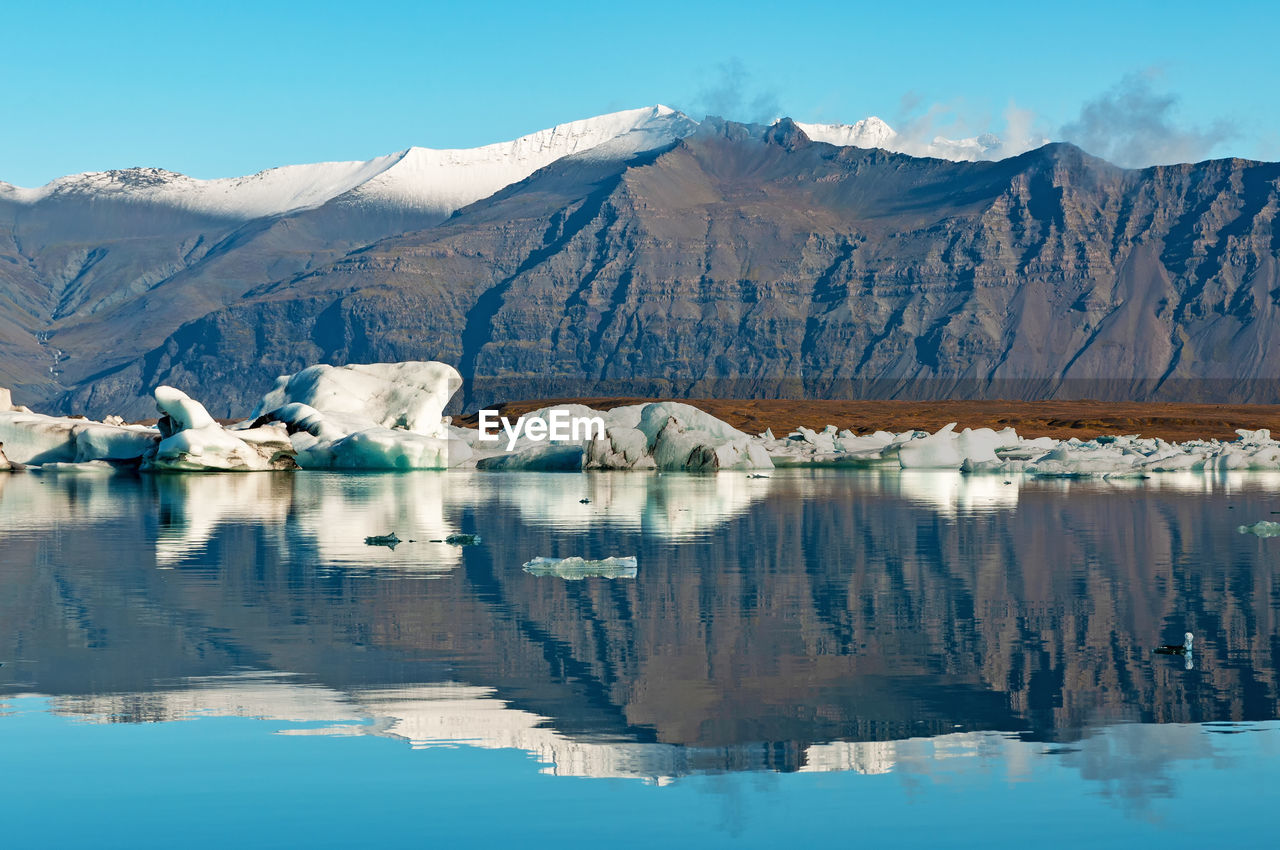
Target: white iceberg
point(192, 441)
point(576, 569)
point(660, 435)
point(34, 439)
point(546, 457)
point(682, 437)
point(368, 416)
point(1262, 528)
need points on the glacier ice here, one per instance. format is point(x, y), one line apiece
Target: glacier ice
point(1262, 528)
point(682, 437)
point(539, 458)
point(34, 439)
point(658, 435)
point(367, 416)
point(192, 441)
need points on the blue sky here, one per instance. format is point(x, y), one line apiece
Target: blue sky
point(220, 89)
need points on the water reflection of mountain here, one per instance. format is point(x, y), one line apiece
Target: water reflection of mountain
point(785, 613)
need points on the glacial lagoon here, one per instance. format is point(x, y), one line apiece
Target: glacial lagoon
point(915, 658)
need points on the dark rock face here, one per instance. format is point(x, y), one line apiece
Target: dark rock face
point(746, 261)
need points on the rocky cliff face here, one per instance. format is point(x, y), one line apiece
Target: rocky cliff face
point(747, 261)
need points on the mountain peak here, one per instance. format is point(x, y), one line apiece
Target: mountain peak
point(870, 132)
point(787, 135)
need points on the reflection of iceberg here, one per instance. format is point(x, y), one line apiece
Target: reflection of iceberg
point(951, 492)
point(674, 506)
point(337, 512)
point(333, 513)
point(193, 507)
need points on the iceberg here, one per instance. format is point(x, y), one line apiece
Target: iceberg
point(539, 458)
point(192, 441)
point(658, 435)
point(682, 437)
point(1262, 528)
point(385, 416)
point(34, 439)
point(576, 569)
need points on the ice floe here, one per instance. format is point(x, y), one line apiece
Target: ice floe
point(660, 435)
point(389, 416)
point(575, 569)
point(193, 441)
point(367, 416)
point(1262, 528)
point(34, 439)
point(983, 450)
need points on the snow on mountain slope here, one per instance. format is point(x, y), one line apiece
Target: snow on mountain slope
point(269, 192)
point(874, 133)
point(441, 181)
point(444, 180)
point(867, 133)
point(417, 178)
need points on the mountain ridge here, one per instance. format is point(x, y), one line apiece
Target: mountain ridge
point(735, 260)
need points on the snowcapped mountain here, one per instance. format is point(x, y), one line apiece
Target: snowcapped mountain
point(437, 182)
point(444, 180)
point(874, 133)
point(867, 133)
point(417, 179)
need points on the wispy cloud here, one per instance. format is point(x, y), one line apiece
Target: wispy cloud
point(731, 91)
point(944, 130)
point(1133, 125)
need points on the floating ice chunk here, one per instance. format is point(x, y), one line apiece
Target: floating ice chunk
point(5, 465)
point(936, 451)
point(94, 467)
point(193, 441)
point(621, 448)
point(33, 438)
point(1262, 528)
point(575, 569)
point(824, 441)
point(368, 416)
point(410, 396)
point(541, 457)
point(682, 437)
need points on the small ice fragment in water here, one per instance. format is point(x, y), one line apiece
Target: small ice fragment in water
point(574, 569)
point(1262, 528)
point(757, 475)
point(388, 540)
point(461, 539)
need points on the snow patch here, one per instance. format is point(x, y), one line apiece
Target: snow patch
point(416, 179)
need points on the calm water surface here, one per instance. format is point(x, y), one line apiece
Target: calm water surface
point(915, 659)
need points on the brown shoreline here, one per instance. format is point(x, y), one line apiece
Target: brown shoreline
point(1059, 419)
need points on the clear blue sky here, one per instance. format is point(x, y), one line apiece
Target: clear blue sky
point(220, 89)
